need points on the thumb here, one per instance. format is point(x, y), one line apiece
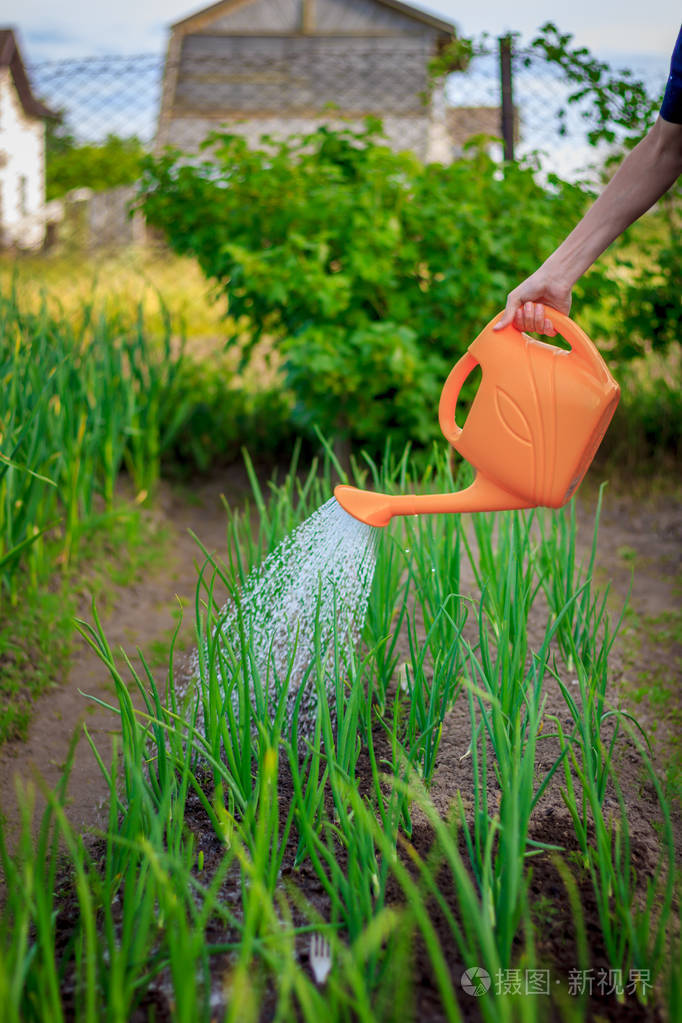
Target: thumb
point(509, 313)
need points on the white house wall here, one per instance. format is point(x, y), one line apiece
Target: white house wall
point(22, 170)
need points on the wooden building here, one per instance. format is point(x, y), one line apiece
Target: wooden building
point(283, 66)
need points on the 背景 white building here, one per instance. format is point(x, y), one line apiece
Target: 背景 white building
point(22, 151)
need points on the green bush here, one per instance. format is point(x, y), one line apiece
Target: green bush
point(652, 301)
point(116, 161)
point(219, 419)
point(646, 434)
point(372, 271)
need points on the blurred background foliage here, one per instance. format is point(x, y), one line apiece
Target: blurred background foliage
point(69, 164)
point(328, 282)
point(370, 272)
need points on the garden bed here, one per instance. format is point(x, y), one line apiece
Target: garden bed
point(385, 959)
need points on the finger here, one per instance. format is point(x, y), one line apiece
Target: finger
point(548, 328)
point(539, 318)
point(508, 314)
point(529, 316)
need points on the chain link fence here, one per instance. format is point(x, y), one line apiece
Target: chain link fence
point(123, 96)
point(273, 87)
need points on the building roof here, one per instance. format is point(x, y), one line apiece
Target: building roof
point(11, 58)
point(396, 5)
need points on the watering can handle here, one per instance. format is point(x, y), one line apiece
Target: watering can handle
point(449, 395)
point(581, 347)
point(580, 343)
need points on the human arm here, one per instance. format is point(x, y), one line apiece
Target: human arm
point(647, 172)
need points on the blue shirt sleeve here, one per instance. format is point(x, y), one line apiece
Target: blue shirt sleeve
point(671, 110)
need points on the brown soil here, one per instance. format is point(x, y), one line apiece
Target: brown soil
point(644, 532)
point(141, 616)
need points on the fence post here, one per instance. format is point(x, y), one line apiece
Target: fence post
point(507, 124)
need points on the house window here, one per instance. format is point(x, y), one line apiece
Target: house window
point(23, 195)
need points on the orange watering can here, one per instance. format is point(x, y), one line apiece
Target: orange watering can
point(532, 431)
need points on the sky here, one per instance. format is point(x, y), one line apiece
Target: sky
point(71, 28)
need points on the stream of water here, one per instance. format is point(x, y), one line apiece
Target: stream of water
point(307, 596)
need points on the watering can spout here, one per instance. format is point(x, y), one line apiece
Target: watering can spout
point(376, 509)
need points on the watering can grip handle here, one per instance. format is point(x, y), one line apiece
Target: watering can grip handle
point(580, 343)
point(449, 395)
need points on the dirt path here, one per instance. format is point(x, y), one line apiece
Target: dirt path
point(644, 533)
point(142, 615)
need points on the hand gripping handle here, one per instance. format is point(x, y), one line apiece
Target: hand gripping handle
point(449, 395)
point(581, 346)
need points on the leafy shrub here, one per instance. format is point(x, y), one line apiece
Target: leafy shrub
point(615, 104)
point(652, 306)
point(116, 161)
point(216, 420)
point(372, 271)
point(646, 434)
